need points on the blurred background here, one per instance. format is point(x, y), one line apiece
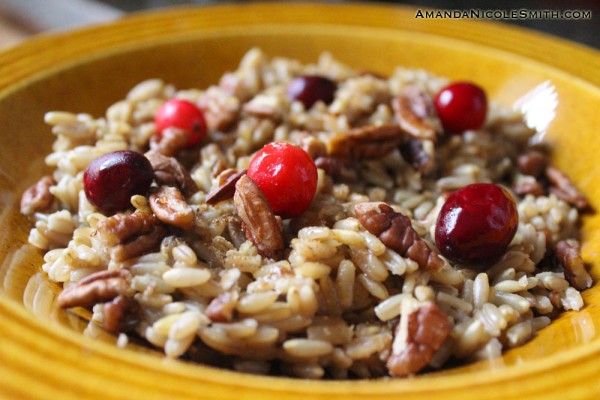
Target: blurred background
point(20, 19)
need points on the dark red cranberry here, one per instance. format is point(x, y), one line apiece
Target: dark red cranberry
point(461, 106)
point(184, 115)
point(476, 224)
point(309, 89)
point(111, 179)
point(287, 176)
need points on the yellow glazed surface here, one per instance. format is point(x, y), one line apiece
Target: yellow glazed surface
point(85, 71)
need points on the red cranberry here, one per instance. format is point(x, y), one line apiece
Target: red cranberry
point(111, 179)
point(184, 115)
point(461, 106)
point(287, 176)
point(309, 89)
point(476, 223)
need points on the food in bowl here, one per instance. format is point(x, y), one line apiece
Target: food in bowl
point(310, 220)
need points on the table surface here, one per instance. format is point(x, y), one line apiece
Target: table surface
point(15, 28)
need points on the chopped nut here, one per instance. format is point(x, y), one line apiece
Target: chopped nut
point(339, 169)
point(220, 108)
point(99, 287)
point(395, 231)
point(564, 189)
point(120, 314)
point(170, 207)
point(419, 334)
point(220, 309)
point(419, 154)
point(532, 163)
point(568, 253)
point(263, 106)
point(314, 147)
point(258, 221)
point(366, 142)
point(526, 187)
point(170, 142)
point(38, 197)
point(122, 227)
point(140, 245)
point(226, 189)
point(416, 114)
point(168, 171)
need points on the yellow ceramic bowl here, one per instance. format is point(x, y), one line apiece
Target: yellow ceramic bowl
point(85, 71)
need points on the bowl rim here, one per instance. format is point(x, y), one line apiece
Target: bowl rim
point(44, 55)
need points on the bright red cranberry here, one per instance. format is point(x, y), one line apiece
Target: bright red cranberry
point(184, 115)
point(476, 224)
point(111, 179)
point(287, 176)
point(309, 89)
point(461, 106)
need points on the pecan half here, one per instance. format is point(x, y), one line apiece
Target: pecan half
point(533, 163)
point(569, 256)
point(339, 169)
point(227, 180)
point(258, 221)
point(122, 227)
point(140, 245)
point(170, 207)
point(98, 287)
point(120, 314)
point(366, 142)
point(395, 231)
point(37, 197)
point(416, 114)
point(169, 171)
point(170, 142)
point(419, 154)
point(220, 309)
point(564, 189)
point(418, 335)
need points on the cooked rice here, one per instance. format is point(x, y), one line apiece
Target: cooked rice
point(329, 308)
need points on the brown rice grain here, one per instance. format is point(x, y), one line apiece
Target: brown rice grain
point(375, 288)
point(389, 308)
point(519, 333)
point(186, 277)
point(253, 303)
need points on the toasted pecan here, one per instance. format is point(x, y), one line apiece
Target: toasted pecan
point(563, 188)
point(258, 221)
point(227, 180)
point(140, 245)
point(120, 314)
point(417, 339)
point(396, 232)
point(366, 142)
point(170, 142)
point(121, 227)
point(569, 257)
point(169, 171)
point(170, 207)
point(98, 287)
point(38, 197)
point(532, 162)
point(416, 114)
point(419, 154)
